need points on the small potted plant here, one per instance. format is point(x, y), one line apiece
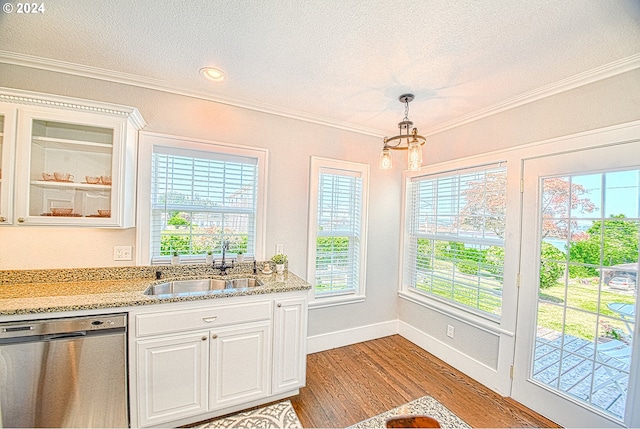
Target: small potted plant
point(279, 259)
point(209, 257)
point(240, 256)
point(175, 258)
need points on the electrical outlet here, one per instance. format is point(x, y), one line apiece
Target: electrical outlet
point(122, 253)
point(450, 331)
point(279, 248)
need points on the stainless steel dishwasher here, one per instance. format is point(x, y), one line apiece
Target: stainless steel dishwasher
point(68, 372)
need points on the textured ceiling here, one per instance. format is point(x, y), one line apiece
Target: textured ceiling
point(344, 61)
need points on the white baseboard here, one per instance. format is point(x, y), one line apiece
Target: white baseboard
point(494, 380)
point(464, 363)
point(332, 340)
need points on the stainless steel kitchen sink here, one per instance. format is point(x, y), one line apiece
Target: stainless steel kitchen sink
point(201, 286)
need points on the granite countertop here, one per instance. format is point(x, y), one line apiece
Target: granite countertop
point(46, 291)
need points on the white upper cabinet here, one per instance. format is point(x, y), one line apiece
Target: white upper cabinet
point(75, 161)
point(7, 162)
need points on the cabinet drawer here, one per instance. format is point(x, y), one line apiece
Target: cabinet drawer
point(204, 317)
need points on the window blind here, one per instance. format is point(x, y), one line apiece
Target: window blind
point(199, 199)
point(456, 224)
point(338, 231)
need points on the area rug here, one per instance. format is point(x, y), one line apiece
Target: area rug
point(425, 405)
point(274, 416)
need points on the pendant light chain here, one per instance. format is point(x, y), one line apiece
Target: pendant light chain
point(406, 109)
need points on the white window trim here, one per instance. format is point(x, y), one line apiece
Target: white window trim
point(505, 323)
point(148, 141)
point(363, 169)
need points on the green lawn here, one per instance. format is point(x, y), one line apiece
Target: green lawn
point(468, 293)
point(579, 317)
point(581, 308)
point(483, 291)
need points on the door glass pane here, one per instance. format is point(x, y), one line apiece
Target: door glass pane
point(588, 287)
point(1, 149)
point(70, 170)
point(621, 196)
point(586, 196)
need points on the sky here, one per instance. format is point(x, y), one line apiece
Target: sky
point(621, 193)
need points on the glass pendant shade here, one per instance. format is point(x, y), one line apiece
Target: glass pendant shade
point(385, 159)
point(414, 156)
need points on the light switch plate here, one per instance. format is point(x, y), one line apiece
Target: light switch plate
point(279, 248)
point(122, 253)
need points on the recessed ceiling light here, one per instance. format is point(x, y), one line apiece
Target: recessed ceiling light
point(212, 73)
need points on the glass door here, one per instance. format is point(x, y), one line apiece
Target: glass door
point(3, 208)
point(7, 147)
point(70, 168)
point(575, 360)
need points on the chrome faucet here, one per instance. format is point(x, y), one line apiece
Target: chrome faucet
point(223, 265)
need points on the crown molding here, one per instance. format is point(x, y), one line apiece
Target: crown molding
point(57, 66)
point(590, 76)
point(30, 98)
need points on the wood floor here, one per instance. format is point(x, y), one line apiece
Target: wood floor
point(352, 383)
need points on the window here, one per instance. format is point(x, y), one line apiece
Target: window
point(201, 195)
point(337, 230)
point(455, 237)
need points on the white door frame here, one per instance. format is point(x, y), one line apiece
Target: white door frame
point(563, 411)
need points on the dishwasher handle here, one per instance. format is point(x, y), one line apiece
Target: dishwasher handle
point(17, 329)
point(64, 335)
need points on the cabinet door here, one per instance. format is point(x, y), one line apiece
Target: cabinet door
point(240, 364)
point(7, 148)
point(72, 168)
point(289, 344)
point(172, 377)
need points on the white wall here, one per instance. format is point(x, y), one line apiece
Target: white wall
point(291, 143)
point(611, 101)
point(513, 135)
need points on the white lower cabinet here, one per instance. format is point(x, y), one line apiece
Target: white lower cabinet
point(289, 344)
point(240, 364)
point(191, 362)
point(172, 377)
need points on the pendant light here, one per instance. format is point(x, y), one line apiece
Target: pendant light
point(408, 140)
